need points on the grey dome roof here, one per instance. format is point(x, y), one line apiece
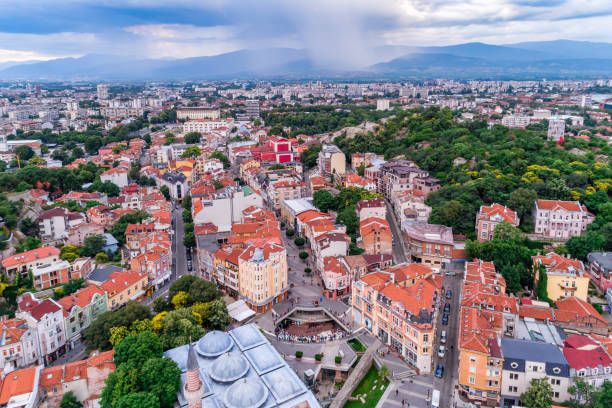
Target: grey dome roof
point(245, 394)
point(228, 367)
point(214, 343)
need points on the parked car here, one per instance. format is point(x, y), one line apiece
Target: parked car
point(441, 351)
point(189, 266)
point(443, 337)
point(440, 371)
point(449, 294)
point(445, 319)
point(447, 308)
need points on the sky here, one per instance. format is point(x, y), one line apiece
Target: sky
point(335, 32)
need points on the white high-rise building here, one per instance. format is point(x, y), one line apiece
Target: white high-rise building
point(102, 92)
point(556, 129)
point(382, 104)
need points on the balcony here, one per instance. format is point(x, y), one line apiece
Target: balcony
point(567, 286)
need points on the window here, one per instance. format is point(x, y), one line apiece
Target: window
point(513, 376)
point(472, 380)
point(581, 373)
point(514, 364)
point(535, 368)
point(512, 388)
point(555, 395)
point(472, 359)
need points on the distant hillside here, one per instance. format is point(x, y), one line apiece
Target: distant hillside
point(552, 59)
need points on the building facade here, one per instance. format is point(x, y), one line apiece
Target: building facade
point(490, 216)
point(560, 219)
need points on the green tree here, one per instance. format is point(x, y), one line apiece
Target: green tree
point(348, 217)
point(165, 191)
point(97, 335)
point(101, 258)
point(93, 245)
point(69, 400)
point(161, 305)
point(44, 149)
point(24, 152)
point(539, 394)
point(507, 232)
point(218, 317)
point(220, 156)
point(27, 226)
point(299, 241)
point(198, 290)
point(191, 151)
point(138, 400)
point(323, 200)
point(192, 138)
point(178, 326)
point(361, 170)
point(580, 246)
point(310, 155)
point(522, 200)
point(303, 254)
point(603, 397)
point(138, 349)
point(162, 378)
point(186, 203)
point(189, 239)
point(542, 286)
point(582, 391)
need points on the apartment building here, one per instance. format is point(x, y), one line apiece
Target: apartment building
point(371, 208)
point(335, 276)
point(226, 268)
point(328, 244)
point(45, 317)
point(118, 176)
point(376, 237)
point(18, 344)
point(24, 261)
point(262, 275)
point(487, 314)
point(155, 264)
point(588, 360)
point(52, 274)
point(490, 216)
point(397, 176)
point(206, 126)
point(560, 219)
point(409, 206)
point(123, 286)
point(198, 112)
point(600, 268)
point(565, 276)
point(55, 223)
point(528, 360)
point(288, 188)
point(515, 121)
point(429, 243)
point(331, 160)
point(80, 309)
point(402, 317)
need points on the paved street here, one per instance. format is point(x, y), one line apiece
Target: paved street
point(399, 252)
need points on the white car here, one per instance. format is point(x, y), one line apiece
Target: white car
point(443, 337)
point(441, 351)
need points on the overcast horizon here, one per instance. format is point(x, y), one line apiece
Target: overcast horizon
point(338, 34)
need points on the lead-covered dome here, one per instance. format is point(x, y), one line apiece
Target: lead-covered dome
point(246, 393)
point(214, 343)
point(228, 367)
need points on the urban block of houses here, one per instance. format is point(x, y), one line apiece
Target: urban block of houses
point(80, 309)
point(376, 237)
point(565, 276)
point(600, 266)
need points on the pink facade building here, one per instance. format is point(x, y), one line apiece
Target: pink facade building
point(560, 219)
point(489, 217)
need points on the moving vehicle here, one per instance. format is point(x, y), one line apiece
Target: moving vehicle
point(445, 319)
point(443, 337)
point(447, 308)
point(435, 399)
point(439, 372)
point(449, 294)
point(441, 351)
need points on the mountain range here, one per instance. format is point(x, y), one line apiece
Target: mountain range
point(527, 60)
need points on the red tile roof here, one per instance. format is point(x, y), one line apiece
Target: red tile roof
point(557, 204)
point(17, 383)
point(507, 215)
point(30, 256)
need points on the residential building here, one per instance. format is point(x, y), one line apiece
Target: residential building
point(80, 309)
point(335, 276)
point(155, 264)
point(359, 265)
point(84, 378)
point(400, 175)
point(375, 208)
point(206, 125)
point(588, 361)
point(600, 268)
point(556, 130)
point(401, 316)
point(46, 318)
point(528, 360)
point(262, 275)
point(515, 121)
point(78, 234)
point(409, 206)
point(198, 112)
point(429, 243)
point(327, 244)
point(490, 216)
point(290, 209)
point(20, 388)
point(123, 286)
point(117, 175)
point(288, 188)
point(23, 262)
point(565, 276)
point(382, 104)
point(226, 268)
point(331, 161)
point(102, 92)
point(55, 223)
point(354, 180)
point(376, 237)
point(560, 219)
point(18, 344)
point(177, 184)
point(52, 274)
point(224, 208)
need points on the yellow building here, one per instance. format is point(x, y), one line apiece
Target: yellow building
point(247, 164)
point(565, 276)
point(331, 160)
point(262, 275)
point(123, 286)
